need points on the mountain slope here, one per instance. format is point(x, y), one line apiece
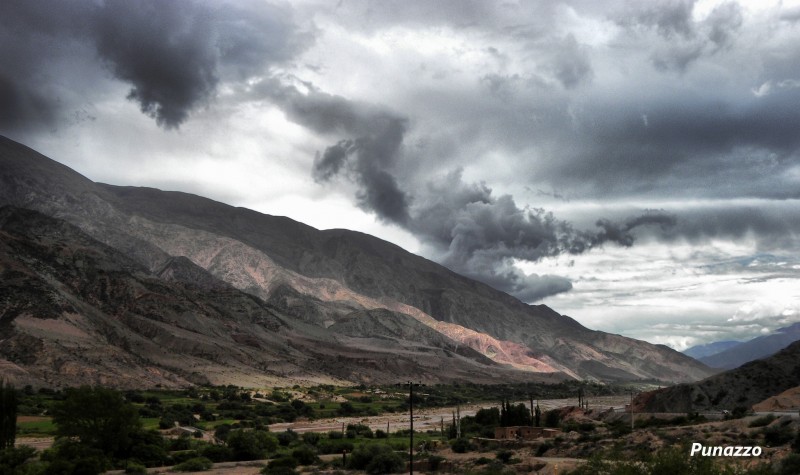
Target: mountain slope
point(702, 351)
point(757, 348)
point(744, 386)
point(73, 310)
point(319, 277)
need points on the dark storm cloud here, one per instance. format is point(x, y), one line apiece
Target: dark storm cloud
point(165, 50)
point(773, 225)
point(480, 235)
point(703, 147)
point(33, 34)
point(22, 106)
point(173, 54)
point(466, 227)
point(374, 138)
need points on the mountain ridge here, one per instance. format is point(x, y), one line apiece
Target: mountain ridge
point(331, 272)
point(757, 348)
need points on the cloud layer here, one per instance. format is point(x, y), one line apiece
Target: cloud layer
point(496, 138)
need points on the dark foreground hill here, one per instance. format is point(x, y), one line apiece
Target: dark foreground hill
point(741, 387)
point(316, 304)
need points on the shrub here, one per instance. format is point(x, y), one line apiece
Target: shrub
point(311, 438)
point(375, 458)
point(434, 461)
point(287, 437)
point(283, 462)
point(504, 455)
point(217, 453)
point(251, 444)
point(328, 446)
point(790, 465)
point(305, 455)
point(542, 449)
point(135, 469)
point(774, 436)
point(762, 421)
point(196, 464)
point(461, 445)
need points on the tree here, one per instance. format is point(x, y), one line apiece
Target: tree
point(251, 444)
point(100, 418)
point(8, 415)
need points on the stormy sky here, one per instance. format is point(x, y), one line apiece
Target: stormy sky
point(635, 165)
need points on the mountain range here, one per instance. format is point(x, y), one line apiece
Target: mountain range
point(133, 286)
point(732, 356)
point(708, 349)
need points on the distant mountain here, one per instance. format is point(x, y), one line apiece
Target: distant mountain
point(754, 349)
point(702, 351)
point(744, 386)
point(337, 303)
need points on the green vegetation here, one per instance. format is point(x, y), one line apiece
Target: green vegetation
point(8, 415)
point(99, 429)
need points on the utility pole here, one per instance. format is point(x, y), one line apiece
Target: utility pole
point(631, 407)
point(411, 424)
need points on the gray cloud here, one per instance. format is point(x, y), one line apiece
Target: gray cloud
point(480, 235)
point(34, 34)
point(173, 54)
point(572, 64)
point(464, 225)
point(165, 50)
point(368, 154)
point(680, 40)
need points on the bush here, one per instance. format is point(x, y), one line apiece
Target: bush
point(460, 446)
point(217, 453)
point(305, 455)
point(287, 437)
point(197, 464)
point(285, 461)
point(504, 455)
point(762, 421)
point(13, 457)
point(775, 436)
point(375, 458)
point(251, 444)
point(434, 461)
point(71, 456)
point(790, 465)
point(336, 446)
point(542, 449)
point(386, 462)
point(311, 438)
point(135, 469)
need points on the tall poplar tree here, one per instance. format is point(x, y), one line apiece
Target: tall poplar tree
point(8, 415)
